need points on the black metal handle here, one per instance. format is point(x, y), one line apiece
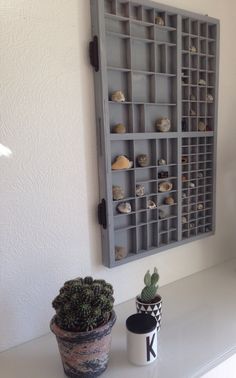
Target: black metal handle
point(93, 53)
point(102, 216)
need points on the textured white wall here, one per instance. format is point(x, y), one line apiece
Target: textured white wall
point(49, 189)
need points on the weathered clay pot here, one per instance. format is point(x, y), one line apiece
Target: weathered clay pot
point(84, 354)
point(154, 308)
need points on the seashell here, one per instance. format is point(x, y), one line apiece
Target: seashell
point(163, 174)
point(163, 214)
point(184, 220)
point(165, 186)
point(184, 178)
point(200, 206)
point(118, 96)
point(191, 225)
point(143, 160)
point(151, 204)
point(119, 128)
point(192, 112)
point(159, 21)
point(131, 164)
point(201, 126)
point(124, 208)
point(117, 193)
point(184, 159)
point(169, 200)
point(121, 162)
point(191, 185)
point(163, 124)
point(184, 195)
point(120, 253)
point(193, 49)
point(200, 175)
point(192, 97)
point(161, 161)
point(209, 97)
point(140, 190)
point(202, 82)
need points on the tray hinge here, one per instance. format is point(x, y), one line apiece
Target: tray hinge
point(93, 53)
point(102, 217)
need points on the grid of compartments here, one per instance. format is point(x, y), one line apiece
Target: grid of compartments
point(152, 221)
point(197, 186)
point(162, 64)
point(141, 62)
point(198, 75)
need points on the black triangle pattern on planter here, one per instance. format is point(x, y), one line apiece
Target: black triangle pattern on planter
point(154, 309)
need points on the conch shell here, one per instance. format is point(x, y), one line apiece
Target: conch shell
point(122, 162)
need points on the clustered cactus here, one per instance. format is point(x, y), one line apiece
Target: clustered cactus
point(83, 304)
point(150, 290)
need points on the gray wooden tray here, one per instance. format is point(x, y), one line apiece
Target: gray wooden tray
point(164, 71)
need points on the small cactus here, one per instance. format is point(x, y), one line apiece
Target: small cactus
point(83, 304)
point(150, 290)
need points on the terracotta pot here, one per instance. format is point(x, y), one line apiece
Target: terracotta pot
point(154, 308)
point(84, 354)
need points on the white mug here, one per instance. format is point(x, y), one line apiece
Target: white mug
point(141, 339)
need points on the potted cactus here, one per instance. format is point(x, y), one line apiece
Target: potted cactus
point(82, 325)
point(149, 302)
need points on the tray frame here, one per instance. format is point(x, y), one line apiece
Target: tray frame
point(106, 139)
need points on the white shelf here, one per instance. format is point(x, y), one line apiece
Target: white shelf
point(198, 332)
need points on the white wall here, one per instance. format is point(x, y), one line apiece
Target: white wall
point(49, 188)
